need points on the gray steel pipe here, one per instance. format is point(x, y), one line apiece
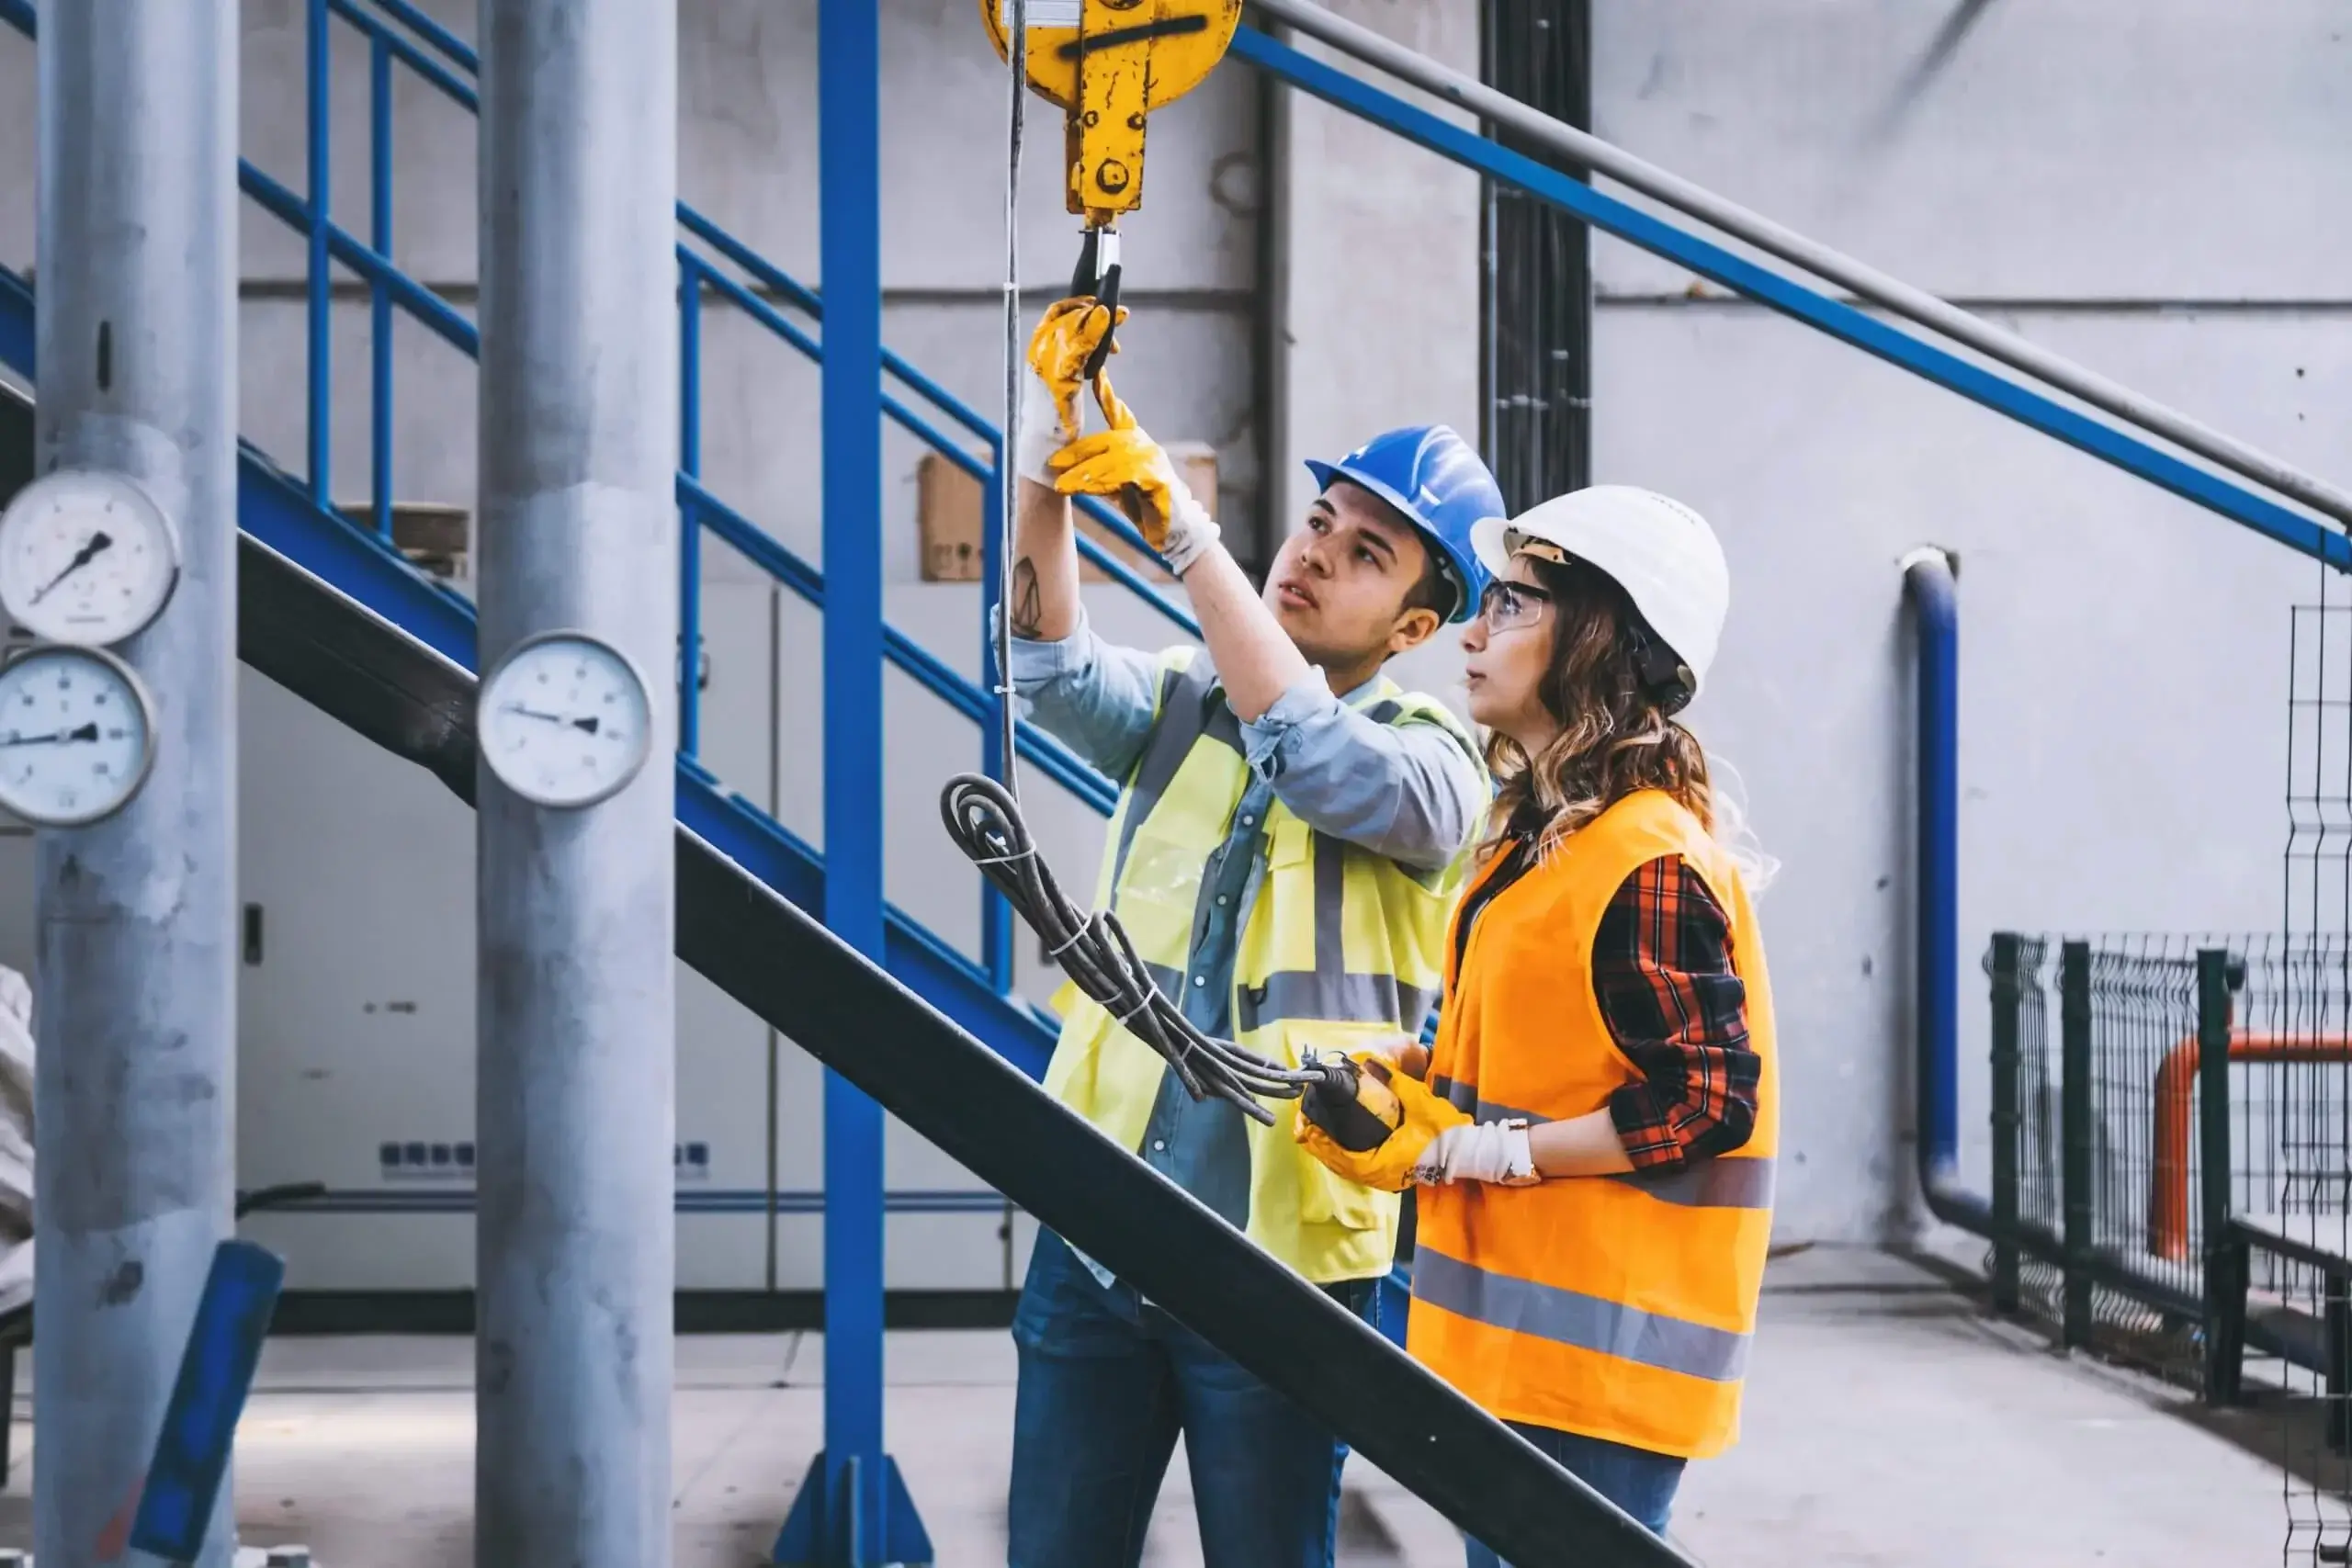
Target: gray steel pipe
point(1581, 147)
point(135, 978)
point(575, 1238)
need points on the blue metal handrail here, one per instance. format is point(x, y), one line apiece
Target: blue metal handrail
point(698, 273)
point(389, 288)
point(385, 41)
point(2000, 393)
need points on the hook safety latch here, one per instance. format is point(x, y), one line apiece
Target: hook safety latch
point(1097, 277)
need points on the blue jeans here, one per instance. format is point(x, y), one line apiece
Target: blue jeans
point(1106, 1383)
point(1636, 1480)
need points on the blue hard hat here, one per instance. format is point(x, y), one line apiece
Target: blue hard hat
point(1438, 482)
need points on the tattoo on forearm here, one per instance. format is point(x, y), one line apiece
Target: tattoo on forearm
point(1028, 610)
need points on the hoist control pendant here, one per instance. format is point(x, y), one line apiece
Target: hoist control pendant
point(1107, 64)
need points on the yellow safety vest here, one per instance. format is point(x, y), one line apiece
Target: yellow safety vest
point(1343, 946)
point(1616, 1307)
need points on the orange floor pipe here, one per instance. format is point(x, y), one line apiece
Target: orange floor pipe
point(2175, 1111)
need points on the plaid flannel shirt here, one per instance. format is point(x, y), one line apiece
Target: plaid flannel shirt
point(1662, 969)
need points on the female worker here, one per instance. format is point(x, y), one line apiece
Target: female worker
point(1595, 1136)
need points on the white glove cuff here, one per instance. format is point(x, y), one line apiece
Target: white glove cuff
point(1496, 1152)
point(1191, 531)
point(1041, 431)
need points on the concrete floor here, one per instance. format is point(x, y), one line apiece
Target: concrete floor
point(1888, 1423)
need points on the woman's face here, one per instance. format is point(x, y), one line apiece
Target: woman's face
point(1509, 645)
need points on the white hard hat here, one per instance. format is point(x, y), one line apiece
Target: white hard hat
point(1659, 551)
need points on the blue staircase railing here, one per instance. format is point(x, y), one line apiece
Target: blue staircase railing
point(277, 510)
point(710, 261)
point(705, 259)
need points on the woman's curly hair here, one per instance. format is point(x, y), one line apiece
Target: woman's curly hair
point(1616, 737)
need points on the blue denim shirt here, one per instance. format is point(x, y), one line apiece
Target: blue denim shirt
point(1406, 791)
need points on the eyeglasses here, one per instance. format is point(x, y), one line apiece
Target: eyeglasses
point(1506, 605)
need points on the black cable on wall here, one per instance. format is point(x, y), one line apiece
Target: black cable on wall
point(1536, 286)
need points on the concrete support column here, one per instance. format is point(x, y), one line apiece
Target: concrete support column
point(579, 530)
point(135, 983)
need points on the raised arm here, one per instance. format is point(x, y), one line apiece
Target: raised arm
point(1044, 598)
point(1097, 699)
point(1255, 658)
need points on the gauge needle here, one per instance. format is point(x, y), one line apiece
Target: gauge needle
point(55, 738)
point(587, 726)
point(98, 541)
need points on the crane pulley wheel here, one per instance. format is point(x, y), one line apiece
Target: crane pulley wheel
point(1106, 64)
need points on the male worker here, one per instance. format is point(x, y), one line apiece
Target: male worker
point(1290, 833)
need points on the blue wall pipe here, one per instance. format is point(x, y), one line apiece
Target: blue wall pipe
point(1927, 582)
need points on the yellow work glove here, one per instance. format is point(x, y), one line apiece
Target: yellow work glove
point(1127, 465)
point(1390, 1168)
point(1065, 338)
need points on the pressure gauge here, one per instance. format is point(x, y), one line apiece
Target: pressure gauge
point(86, 557)
point(77, 735)
point(564, 719)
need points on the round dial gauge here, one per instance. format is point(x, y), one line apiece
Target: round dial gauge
point(564, 720)
point(77, 735)
point(86, 557)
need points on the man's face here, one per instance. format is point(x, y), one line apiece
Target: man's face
point(1339, 583)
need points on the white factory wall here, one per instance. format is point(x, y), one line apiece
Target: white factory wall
point(1376, 270)
point(2152, 189)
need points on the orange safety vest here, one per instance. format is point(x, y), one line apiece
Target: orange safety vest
point(1615, 1307)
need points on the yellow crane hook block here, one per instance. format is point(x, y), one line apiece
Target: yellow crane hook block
point(1106, 64)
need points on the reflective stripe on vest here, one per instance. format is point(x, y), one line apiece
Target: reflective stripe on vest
point(1588, 1323)
point(1183, 693)
point(1329, 992)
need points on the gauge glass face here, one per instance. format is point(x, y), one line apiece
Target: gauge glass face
point(564, 721)
point(85, 558)
point(75, 736)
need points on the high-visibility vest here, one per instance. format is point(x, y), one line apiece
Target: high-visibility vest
point(1343, 946)
point(1616, 1307)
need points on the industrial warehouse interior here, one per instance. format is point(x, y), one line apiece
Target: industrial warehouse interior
point(1179, 546)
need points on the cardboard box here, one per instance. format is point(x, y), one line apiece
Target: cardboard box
point(950, 506)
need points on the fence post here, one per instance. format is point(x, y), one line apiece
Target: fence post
point(2008, 1001)
point(2224, 1297)
point(2074, 1135)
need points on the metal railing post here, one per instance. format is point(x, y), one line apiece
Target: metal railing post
point(321, 433)
point(2075, 1136)
point(379, 296)
point(2224, 1297)
point(995, 913)
point(2009, 1002)
point(689, 518)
